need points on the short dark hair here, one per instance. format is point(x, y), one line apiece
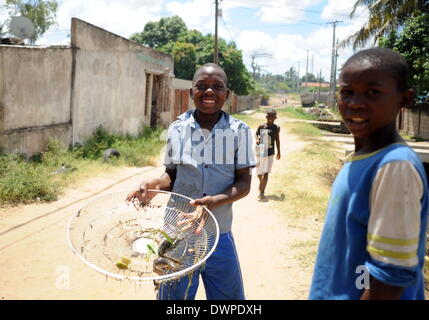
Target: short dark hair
point(271, 111)
point(388, 61)
point(210, 65)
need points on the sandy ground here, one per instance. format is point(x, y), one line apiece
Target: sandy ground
point(36, 262)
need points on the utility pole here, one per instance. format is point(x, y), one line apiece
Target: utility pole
point(298, 86)
point(312, 63)
point(306, 73)
point(320, 84)
point(216, 49)
point(333, 70)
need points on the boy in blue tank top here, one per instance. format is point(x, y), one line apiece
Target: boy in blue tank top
point(373, 242)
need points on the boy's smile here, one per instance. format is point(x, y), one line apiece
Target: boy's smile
point(270, 119)
point(369, 99)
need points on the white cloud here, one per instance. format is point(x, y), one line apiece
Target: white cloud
point(129, 16)
point(277, 11)
point(340, 10)
point(123, 18)
point(289, 49)
point(197, 14)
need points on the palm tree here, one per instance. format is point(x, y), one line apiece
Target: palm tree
point(385, 16)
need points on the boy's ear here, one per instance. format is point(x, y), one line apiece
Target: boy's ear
point(408, 98)
point(190, 92)
point(227, 94)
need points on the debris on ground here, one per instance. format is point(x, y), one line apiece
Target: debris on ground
point(65, 168)
point(109, 153)
point(320, 112)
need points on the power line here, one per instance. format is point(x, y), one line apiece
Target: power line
point(297, 20)
point(333, 66)
point(216, 49)
point(274, 27)
point(223, 20)
point(295, 8)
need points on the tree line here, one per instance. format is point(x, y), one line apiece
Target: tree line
point(398, 24)
point(191, 49)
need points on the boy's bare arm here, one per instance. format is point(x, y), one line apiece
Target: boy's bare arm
point(257, 135)
point(278, 143)
point(236, 191)
point(381, 291)
point(164, 182)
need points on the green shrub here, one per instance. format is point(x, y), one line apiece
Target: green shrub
point(95, 145)
point(141, 150)
point(38, 178)
point(24, 182)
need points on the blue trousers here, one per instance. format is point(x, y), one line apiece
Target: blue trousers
point(221, 276)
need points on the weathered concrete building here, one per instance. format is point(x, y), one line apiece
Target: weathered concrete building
point(35, 92)
point(65, 92)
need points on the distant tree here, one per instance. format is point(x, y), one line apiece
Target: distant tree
point(191, 49)
point(281, 87)
point(160, 33)
point(230, 59)
point(254, 55)
point(42, 13)
point(310, 78)
point(191, 36)
point(185, 58)
point(291, 74)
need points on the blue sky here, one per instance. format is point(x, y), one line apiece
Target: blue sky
point(284, 29)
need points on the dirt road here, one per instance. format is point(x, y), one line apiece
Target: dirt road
point(36, 262)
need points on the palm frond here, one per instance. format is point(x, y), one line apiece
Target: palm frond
point(384, 16)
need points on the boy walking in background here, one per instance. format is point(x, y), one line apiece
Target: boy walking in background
point(209, 159)
point(373, 242)
point(266, 134)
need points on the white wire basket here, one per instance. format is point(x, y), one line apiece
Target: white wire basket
point(122, 241)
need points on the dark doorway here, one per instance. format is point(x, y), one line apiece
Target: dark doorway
point(154, 114)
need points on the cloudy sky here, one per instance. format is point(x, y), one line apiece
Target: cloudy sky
point(284, 29)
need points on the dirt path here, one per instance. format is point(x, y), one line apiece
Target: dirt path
point(266, 241)
point(36, 262)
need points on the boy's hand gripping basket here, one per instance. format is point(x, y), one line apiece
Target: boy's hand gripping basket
point(143, 243)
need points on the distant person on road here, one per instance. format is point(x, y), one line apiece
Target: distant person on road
point(373, 242)
point(209, 158)
point(267, 139)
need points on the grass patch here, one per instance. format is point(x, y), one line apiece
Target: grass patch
point(336, 114)
point(306, 175)
point(418, 139)
point(25, 182)
point(304, 130)
point(44, 175)
point(258, 118)
point(413, 138)
point(307, 253)
point(295, 113)
point(308, 185)
point(251, 120)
